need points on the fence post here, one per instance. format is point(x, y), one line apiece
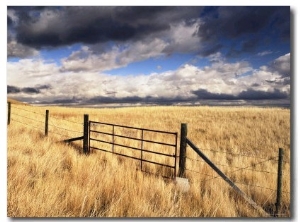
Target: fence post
point(86, 134)
point(279, 181)
point(142, 146)
point(182, 152)
point(46, 122)
point(8, 113)
point(113, 139)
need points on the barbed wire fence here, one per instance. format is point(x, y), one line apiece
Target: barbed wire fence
point(199, 169)
point(251, 186)
point(238, 169)
point(33, 120)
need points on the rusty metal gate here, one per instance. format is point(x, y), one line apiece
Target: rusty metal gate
point(154, 150)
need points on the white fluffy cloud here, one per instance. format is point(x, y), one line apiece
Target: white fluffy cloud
point(86, 59)
point(219, 78)
point(30, 71)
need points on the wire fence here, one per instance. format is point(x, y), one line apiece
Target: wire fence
point(248, 180)
point(33, 119)
point(251, 167)
point(27, 125)
point(237, 167)
point(251, 155)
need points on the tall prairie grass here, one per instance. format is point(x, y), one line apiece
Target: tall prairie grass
point(48, 178)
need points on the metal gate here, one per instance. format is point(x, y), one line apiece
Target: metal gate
point(155, 150)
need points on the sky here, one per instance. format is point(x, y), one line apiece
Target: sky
point(138, 55)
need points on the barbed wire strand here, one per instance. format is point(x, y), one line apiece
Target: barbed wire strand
point(235, 154)
point(29, 111)
point(269, 198)
point(41, 122)
point(27, 124)
point(38, 128)
point(62, 135)
point(48, 124)
point(218, 177)
point(224, 165)
point(62, 127)
point(66, 120)
point(66, 129)
point(27, 118)
point(243, 168)
point(252, 185)
point(43, 114)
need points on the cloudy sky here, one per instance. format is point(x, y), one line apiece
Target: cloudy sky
point(149, 55)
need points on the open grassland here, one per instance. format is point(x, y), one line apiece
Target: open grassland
point(47, 178)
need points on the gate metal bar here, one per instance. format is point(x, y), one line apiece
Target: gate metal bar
point(142, 140)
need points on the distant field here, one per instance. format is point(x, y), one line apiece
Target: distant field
point(47, 178)
point(13, 101)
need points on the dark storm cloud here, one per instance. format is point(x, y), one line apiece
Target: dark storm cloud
point(236, 22)
point(281, 23)
point(9, 21)
point(211, 50)
point(204, 94)
point(13, 89)
point(134, 99)
point(96, 100)
point(30, 90)
point(58, 26)
point(27, 90)
point(103, 99)
point(247, 46)
point(24, 13)
point(250, 45)
point(249, 94)
point(15, 49)
point(64, 101)
point(255, 85)
point(43, 86)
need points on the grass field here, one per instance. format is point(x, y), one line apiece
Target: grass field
point(47, 178)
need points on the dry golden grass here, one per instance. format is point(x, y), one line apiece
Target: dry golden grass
point(47, 178)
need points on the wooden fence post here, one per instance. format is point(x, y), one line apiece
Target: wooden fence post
point(86, 134)
point(46, 122)
point(279, 181)
point(8, 113)
point(182, 152)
